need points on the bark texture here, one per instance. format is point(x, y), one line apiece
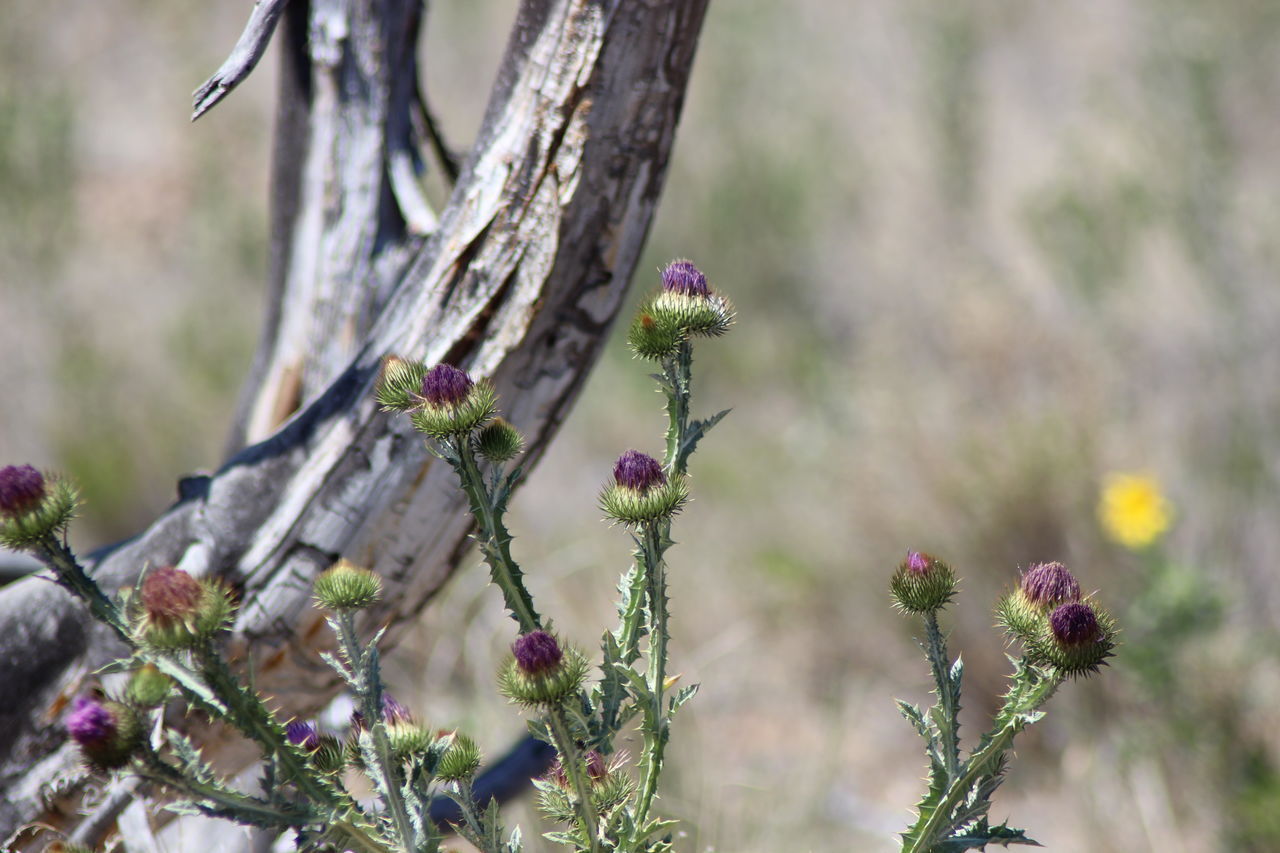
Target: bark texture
point(517, 278)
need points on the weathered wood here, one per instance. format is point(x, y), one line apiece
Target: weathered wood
point(519, 281)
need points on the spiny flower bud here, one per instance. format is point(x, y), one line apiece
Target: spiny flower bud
point(400, 383)
point(499, 441)
point(609, 787)
point(539, 672)
point(329, 755)
point(452, 404)
point(148, 687)
point(346, 586)
point(179, 611)
point(641, 491)
point(303, 734)
point(1042, 587)
point(922, 584)
point(392, 712)
point(1075, 639)
point(108, 732)
point(654, 339)
point(688, 303)
point(32, 509)
point(460, 760)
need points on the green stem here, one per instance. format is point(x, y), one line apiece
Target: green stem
point(58, 557)
point(247, 809)
point(466, 801)
point(679, 376)
point(495, 540)
point(656, 724)
point(949, 730)
point(384, 765)
point(980, 763)
point(575, 771)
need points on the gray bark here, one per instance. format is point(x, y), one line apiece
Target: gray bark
point(518, 279)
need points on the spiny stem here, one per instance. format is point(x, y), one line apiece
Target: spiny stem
point(656, 731)
point(572, 763)
point(936, 651)
point(495, 541)
point(370, 696)
point(466, 801)
point(1020, 701)
point(70, 574)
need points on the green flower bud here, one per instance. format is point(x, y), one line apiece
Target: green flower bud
point(148, 687)
point(641, 492)
point(399, 384)
point(346, 586)
point(408, 739)
point(609, 787)
point(460, 760)
point(451, 404)
point(654, 339)
point(922, 584)
point(329, 756)
point(540, 672)
point(499, 441)
point(32, 508)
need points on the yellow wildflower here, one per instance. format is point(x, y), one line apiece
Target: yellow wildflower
point(1133, 511)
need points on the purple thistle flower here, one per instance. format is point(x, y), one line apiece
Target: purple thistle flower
point(537, 653)
point(1074, 624)
point(1050, 583)
point(597, 767)
point(21, 489)
point(302, 734)
point(446, 385)
point(684, 278)
point(393, 711)
point(638, 471)
point(91, 723)
point(918, 563)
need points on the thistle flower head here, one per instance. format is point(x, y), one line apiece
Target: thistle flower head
point(1047, 584)
point(460, 759)
point(537, 653)
point(170, 595)
point(91, 723)
point(540, 671)
point(303, 734)
point(446, 385)
point(179, 611)
point(682, 277)
point(638, 471)
point(399, 384)
point(499, 441)
point(148, 687)
point(392, 712)
point(1074, 624)
point(107, 732)
point(21, 490)
point(922, 584)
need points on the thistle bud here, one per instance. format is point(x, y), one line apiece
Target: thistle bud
point(329, 755)
point(148, 687)
point(688, 303)
point(400, 383)
point(641, 491)
point(346, 586)
point(451, 404)
point(1042, 587)
point(179, 611)
point(922, 584)
point(107, 732)
point(32, 509)
point(460, 760)
point(609, 787)
point(652, 338)
point(1075, 639)
point(499, 441)
point(540, 672)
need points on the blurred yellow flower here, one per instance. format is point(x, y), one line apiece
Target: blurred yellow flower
point(1133, 510)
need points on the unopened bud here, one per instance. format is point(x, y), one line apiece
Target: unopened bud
point(540, 672)
point(32, 508)
point(346, 586)
point(641, 492)
point(452, 404)
point(922, 584)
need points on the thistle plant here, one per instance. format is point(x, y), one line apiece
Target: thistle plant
point(172, 623)
point(1063, 635)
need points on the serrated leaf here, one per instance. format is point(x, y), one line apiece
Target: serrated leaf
point(682, 696)
point(193, 687)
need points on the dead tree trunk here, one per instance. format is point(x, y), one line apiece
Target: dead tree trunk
point(517, 278)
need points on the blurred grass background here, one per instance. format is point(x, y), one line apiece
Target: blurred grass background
point(984, 254)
